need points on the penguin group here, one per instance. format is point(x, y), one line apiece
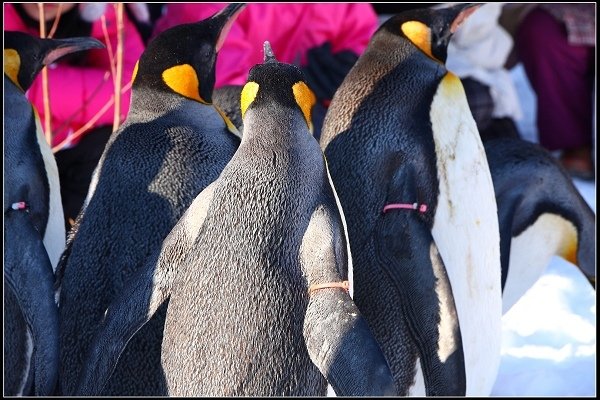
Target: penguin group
point(254, 270)
point(224, 251)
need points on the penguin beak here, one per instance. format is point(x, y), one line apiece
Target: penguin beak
point(228, 15)
point(230, 10)
point(451, 19)
point(463, 11)
point(57, 48)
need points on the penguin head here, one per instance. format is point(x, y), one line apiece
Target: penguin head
point(430, 29)
point(25, 55)
point(182, 59)
point(275, 84)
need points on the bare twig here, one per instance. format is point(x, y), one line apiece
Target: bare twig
point(119, 66)
point(85, 103)
point(109, 49)
point(92, 120)
point(45, 92)
point(56, 19)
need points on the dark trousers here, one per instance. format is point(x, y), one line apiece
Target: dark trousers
point(75, 168)
point(562, 76)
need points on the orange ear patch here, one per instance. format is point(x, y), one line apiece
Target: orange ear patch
point(12, 63)
point(420, 34)
point(306, 100)
point(248, 95)
point(183, 80)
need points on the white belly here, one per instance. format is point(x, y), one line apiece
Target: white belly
point(54, 238)
point(530, 254)
point(466, 233)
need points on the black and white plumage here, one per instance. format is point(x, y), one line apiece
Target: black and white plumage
point(400, 125)
point(238, 268)
point(173, 144)
point(540, 214)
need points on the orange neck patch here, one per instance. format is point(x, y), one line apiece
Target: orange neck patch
point(569, 250)
point(230, 126)
point(452, 87)
point(135, 70)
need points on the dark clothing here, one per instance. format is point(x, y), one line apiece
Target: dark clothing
point(75, 168)
point(562, 75)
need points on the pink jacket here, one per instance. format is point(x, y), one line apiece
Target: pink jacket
point(291, 28)
point(77, 93)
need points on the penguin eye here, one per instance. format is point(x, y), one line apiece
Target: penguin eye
point(306, 100)
point(420, 34)
point(248, 95)
point(12, 62)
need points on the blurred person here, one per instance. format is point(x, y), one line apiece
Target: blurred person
point(556, 44)
point(477, 53)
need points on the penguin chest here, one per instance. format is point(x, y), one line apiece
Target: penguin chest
point(54, 237)
point(466, 232)
point(531, 251)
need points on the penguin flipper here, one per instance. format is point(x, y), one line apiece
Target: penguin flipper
point(405, 248)
point(143, 293)
point(28, 274)
point(337, 336)
point(504, 214)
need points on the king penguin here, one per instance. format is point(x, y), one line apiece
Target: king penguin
point(398, 125)
point(256, 271)
point(541, 214)
point(173, 143)
point(34, 234)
